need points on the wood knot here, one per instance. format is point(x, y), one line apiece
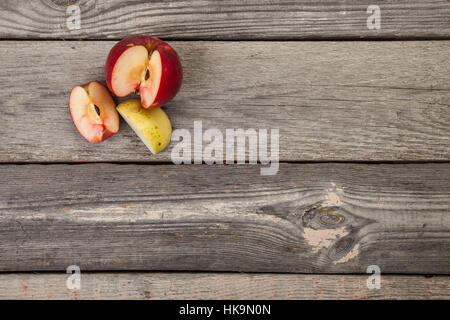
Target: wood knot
point(344, 250)
point(318, 217)
point(330, 217)
point(61, 4)
point(64, 3)
point(343, 246)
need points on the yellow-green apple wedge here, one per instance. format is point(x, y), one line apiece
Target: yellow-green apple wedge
point(151, 125)
point(145, 64)
point(93, 112)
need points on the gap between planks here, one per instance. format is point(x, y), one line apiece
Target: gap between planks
point(231, 40)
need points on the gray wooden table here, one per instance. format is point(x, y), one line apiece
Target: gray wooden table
point(364, 175)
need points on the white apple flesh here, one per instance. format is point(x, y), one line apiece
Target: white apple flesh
point(147, 65)
point(93, 112)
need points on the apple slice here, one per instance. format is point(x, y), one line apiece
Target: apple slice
point(151, 125)
point(147, 65)
point(93, 112)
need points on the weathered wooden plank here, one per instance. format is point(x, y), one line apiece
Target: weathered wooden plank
point(382, 101)
point(233, 19)
point(156, 286)
point(310, 218)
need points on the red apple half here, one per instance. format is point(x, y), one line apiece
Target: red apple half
point(146, 64)
point(93, 112)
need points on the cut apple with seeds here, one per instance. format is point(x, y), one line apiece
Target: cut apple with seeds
point(146, 65)
point(151, 125)
point(93, 112)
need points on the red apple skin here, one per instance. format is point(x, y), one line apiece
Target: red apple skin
point(171, 74)
point(106, 133)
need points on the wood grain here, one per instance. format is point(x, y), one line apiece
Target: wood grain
point(231, 20)
point(310, 218)
point(332, 101)
point(156, 286)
